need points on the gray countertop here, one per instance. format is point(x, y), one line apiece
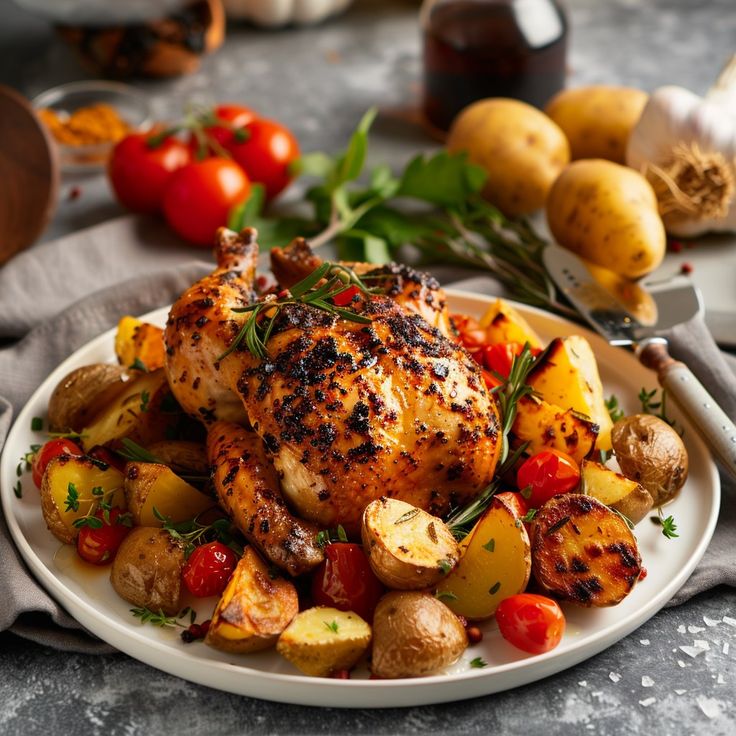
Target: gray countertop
point(319, 81)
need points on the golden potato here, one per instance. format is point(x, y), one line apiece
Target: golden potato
point(597, 120)
point(608, 214)
point(616, 491)
point(504, 324)
point(520, 148)
point(139, 342)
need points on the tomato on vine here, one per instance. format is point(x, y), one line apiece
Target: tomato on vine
point(228, 125)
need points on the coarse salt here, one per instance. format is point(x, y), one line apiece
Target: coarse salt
point(730, 621)
point(725, 647)
point(680, 692)
point(614, 676)
point(647, 702)
point(583, 683)
point(681, 629)
point(647, 681)
point(681, 663)
point(701, 644)
point(721, 680)
point(644, 642)
point(710, 706)
point(691, 652)
point(695, 629)
point(711, 621)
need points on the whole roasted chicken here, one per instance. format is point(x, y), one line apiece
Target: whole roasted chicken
point(345, 411)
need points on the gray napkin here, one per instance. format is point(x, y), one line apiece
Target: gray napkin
point(62, 294)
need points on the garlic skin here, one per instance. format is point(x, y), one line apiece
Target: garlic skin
point(685, 145)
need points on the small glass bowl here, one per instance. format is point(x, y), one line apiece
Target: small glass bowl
point(132, 106)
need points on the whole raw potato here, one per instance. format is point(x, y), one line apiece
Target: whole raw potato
point(520, 148)
point(597, 120)
point(608, 214)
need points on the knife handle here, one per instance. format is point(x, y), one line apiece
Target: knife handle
point(715, 427)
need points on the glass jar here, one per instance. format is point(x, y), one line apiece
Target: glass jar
point(490, 48)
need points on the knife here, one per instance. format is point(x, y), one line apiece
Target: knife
point(677, 301)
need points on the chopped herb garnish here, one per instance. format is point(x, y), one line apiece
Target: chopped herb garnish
point(557, 526)
point(614, 409)
point(327, 536)
point(490, 545)
point(478, 663)
point(406, 517)
point(494, 588)
point(72, 498)
point(445, 565)
point(332, 626)
point(18, 489)
point(192, 533)
point(91, 521)
point(145, 400)
point(138, 365)
point(445, 595)
point(529, 515)
point(526, 492)
point(36, 424)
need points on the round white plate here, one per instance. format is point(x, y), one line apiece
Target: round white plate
point(86, 592)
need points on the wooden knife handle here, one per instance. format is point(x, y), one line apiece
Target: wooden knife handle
point(715, 427)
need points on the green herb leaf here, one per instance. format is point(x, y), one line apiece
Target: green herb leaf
point(445, 595)
point(138, 365)
point(332, 626)
point(155, 618)
point(490, 545)
point(478, 663)
point(36, 424)
point(529, 515)
point(614, 409)
point(445, 565)
point(145, 400)
point(71, 502)
point(669, 528)
point(495, 588)
point(408, 516)
point(18, 489)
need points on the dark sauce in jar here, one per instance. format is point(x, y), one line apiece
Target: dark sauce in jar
point(491, 48)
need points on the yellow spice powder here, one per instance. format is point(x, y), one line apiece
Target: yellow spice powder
point(98, 123)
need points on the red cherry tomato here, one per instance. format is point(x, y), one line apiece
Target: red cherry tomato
point(208, 569)
point(533, 623)
point(199, 197)
point(266, 155)
point(546, 474)
point(491, 380)
point(516, 502)
point(139, 171)
point(344, 580)
point(346, 297)
point(235, 117)
point(99, 545)
point(498, 357)
point(52, 449)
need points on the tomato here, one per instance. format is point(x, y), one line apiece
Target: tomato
point(491, 380)
point(234, 116)
point(98, 452)
point(546, 474)
point(533, 623)
point(345, 298)
point(138, 171)
point(498, 357)
point(100, 545)
point(267, 154)
point(516, 502)
point(208, 569)
point(199, 197)
point(344, 580)
point(52, 449)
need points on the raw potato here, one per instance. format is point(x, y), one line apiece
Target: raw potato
point(597, 120)
point(185, 458)
point(520, 148)
point(608, 214)
point(583, 552)
point(142, 341)
point(82, 474)
point(566, 375)
point(650, 452)
point(504, 324)
point(323, 640)
point(149, 486)
point(544, 426)
point(82, 394)
point(414, 634)
point(495, 564)
point(147, 570)
point(254, 608)
point(408, 549)
point(613, 489)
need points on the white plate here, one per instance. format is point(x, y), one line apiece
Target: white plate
point(88, 596)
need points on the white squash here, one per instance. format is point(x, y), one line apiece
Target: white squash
point(275, 13)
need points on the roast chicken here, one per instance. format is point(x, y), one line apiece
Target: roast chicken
point(345, 411)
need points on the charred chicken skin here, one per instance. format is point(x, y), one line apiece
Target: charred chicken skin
point(346, 411)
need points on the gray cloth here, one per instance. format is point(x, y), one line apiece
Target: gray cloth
point(62, 294)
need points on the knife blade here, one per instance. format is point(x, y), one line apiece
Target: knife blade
point(677, 301)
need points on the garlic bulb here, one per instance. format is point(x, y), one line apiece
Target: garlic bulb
point(282, 12)
point(685, 145)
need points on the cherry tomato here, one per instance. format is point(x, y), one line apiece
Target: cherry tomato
point(533, 623)
point(208, 569)
point(346, 297)
point(99, 545)
point(491, 380)
point(266, 155)
point(199, 197)
point(516, 502)
point(52, 449)
point(344, 580)
point(499, 357)
point(546, 474)
point(235, 116)
point(139, 171)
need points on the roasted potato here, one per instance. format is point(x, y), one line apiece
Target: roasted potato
point(520, 148)
point(141, 342)
point(254, 609)
point(650, 452)
point(503, 323)
point(83, 393)
point(69, 491)
point(322, 640)
point(183, 457)
point(147, 570)
point(414, 634)
point(583, 552)
point(495, 564)
point(408, 549)
point(613, 489)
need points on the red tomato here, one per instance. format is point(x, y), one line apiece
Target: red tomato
point(139, 172)
point(208, 569)
point(491, 380)
point(98, 452)
point(344, 580)
point(499, 357)
point(100, 545)
point(266, 155)
point(235, 117)
point(52, 449)
point(346, 297)
point(199, 197)
point(546, 474)
point(516, 502)
point(533, 623)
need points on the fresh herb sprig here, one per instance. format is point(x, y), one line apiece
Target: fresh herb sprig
point(669, 527)
point(155, 618)
point(657, 406)
point(192, 533)
point(327, 536)
point(614, 408)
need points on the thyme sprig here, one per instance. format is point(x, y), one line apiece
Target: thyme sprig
point(155, 618)
point(669, 527)
point(193, 533)
point(657, 408)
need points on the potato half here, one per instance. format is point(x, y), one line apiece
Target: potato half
point(613, 489)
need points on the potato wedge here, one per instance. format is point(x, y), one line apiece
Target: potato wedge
point(254, 608)
point(566, 375)
point(185, 458)
point(147, 570)
point(613, 489)
point(139, 341)
point(583, 552)
point(150, 486)
point(408, 549)
point(544, 425)
point(495, 563)
point(504, 324)
point(414, 634)
point(67, 492)
point(322, 640)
